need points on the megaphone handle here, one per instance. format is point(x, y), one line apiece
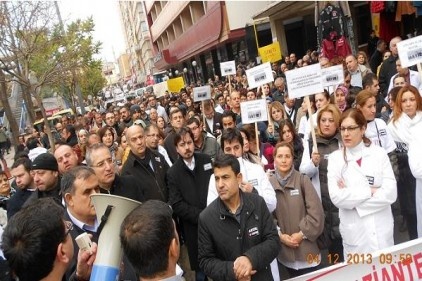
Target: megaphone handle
point(104, 219)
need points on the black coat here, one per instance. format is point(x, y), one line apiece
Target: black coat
point(126, 186)
point(222, 239)
point(17, 200)
point(170, 147)
point(54, 193)
point(153, 183)
point(217, 124)
point(388, 69)
point(188, 196)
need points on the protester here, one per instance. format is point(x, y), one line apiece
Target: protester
point(362, 185)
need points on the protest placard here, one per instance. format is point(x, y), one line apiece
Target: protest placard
point(259, 75)
point(253, 111)
point(202, 93)
point(160, 89)
point(175, 84)
point(228, 68)
point(332, 76)
point(270, 53)
point(410, 51)
point(304, 81)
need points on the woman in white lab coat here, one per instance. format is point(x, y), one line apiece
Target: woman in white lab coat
point(362, 185)
point(406, 128)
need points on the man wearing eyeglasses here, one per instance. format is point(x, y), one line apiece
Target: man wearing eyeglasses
point(203, 142)
point(99, 158)
point(37, 244)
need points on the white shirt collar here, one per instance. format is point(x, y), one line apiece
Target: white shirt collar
point(190, 165)
point(82, 225)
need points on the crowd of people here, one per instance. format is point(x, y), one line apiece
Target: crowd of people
point(228, 182)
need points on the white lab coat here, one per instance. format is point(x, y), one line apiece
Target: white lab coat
point(379, 134)
point(415, 81)
point(254, 174)
point(366, 222)
point(415, 163)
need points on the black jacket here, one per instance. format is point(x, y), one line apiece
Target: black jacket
point(126, 186)
point(222, 239)
point(54, 193)
point(388, 69)
point(170, 147)
point(188, 196)
point(153, 182)
point(217, 124)
point(17, 200)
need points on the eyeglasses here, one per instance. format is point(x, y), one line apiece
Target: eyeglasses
point(68, 227)
point(349, 129)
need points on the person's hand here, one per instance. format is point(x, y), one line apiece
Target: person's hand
point(341, 184)
point(242, 268)
point(374, 189)
point(383, 109)
point(297, 237)
point(246, 187)
point(316, 158)
point(270, 128)
point(288, 241)
point(85, 262)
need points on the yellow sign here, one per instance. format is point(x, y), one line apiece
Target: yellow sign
point(174, 85)
point(270, 53)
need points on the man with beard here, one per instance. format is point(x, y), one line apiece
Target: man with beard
point(177, 121)
point(21, 171)
point(188, 181)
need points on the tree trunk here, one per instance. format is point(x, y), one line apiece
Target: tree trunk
point(26, 94)
point(14, 128)
point(47, 129)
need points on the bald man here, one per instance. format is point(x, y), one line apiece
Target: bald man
point(66, 158)
point(147, 166)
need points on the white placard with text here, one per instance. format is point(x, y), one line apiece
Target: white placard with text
point(253, 111)
point(228, 68)
point(304, 81)
point(332, 76)
point(202, 93)
point(259, 75)
point(410, 51)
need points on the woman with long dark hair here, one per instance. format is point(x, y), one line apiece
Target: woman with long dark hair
point(288, 134)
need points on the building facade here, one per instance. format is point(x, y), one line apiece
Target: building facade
point(137, 40)
point(191, 38)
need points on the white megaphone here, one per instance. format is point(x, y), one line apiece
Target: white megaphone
point(112, 209)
